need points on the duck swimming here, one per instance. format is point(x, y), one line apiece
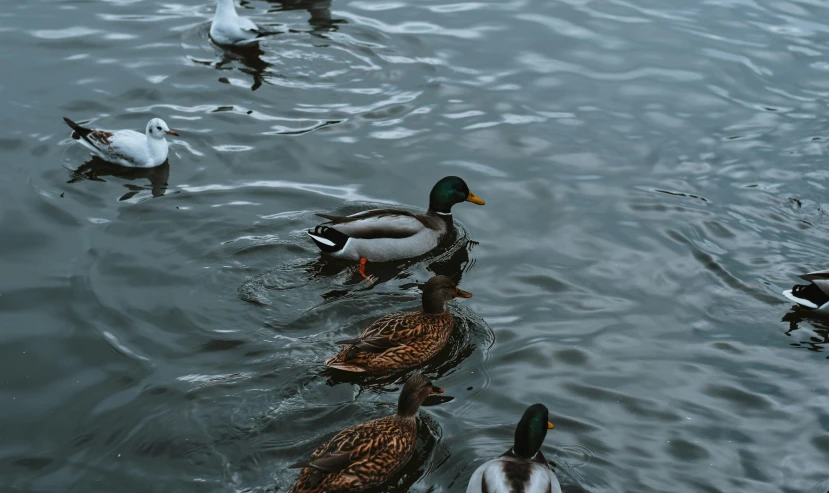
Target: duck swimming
point(403, 340)
point(522, 468)
point(814, 295)
point(382, 235)
point(366, 455)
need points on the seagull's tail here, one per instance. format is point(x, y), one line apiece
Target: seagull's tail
point(78, 131)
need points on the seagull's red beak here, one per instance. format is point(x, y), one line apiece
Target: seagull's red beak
point(173, 132)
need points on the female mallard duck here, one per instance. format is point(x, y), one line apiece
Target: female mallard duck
point(523, 468)
point(381, 235)
point(814, 295)
point(403, 340)
point(366, 455)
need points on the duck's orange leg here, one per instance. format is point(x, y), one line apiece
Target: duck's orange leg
point(362, 269)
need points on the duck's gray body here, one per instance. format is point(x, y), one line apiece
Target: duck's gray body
point(814, 295)
point(381, 235)
point(511, 474)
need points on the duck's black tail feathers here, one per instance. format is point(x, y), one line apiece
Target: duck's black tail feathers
point(328, 239)
point(809, 293)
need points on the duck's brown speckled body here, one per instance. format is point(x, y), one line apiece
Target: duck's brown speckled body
point(368, 454)
point(403, 340)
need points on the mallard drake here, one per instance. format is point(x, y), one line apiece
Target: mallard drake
point(403, 340)
point(382, 235)
point(814, 295)
point(366, 455)
point(228, 28)
point(522, 468)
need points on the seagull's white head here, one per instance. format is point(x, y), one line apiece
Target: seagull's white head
point(157, 129)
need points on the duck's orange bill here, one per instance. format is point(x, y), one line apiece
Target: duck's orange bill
point(474, 199)
point(437, 390)
point(172, 132)
point(460, 293)
point(550, 426)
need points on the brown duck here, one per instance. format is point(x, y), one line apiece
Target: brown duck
point(403, 340)
point(368, 454)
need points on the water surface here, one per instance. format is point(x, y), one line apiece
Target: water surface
point(654, 174)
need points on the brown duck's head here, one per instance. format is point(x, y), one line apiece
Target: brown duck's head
point(416, 389)
point(437, 291)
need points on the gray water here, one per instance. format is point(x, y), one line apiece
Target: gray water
point(654, 172)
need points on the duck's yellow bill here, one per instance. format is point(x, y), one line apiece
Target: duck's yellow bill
point(550, 426)
point(460, 293)
point(474, 199)
point(436, 390)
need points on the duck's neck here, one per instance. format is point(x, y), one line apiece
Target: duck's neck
point(225, 9)
point(433, 306)
point(446, 217)
point(407, 406)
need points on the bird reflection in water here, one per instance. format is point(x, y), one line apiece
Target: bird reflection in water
point(451, 260)
point(96, 168)
point(819, 340)
point(320, 11)
point(249, 55)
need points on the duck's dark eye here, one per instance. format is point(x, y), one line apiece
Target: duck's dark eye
point(159, 128)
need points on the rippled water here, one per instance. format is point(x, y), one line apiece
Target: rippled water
point(654, 172)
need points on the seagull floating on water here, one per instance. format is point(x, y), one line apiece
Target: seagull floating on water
point(230, 29)
point(126, 147)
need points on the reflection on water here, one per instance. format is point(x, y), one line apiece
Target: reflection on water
point(250, 57)
point(449, 259)
point(810, 331)
point(95, 169)
point(320, 11)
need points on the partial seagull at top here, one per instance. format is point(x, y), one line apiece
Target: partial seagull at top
point(126, 147)
point(228, 28)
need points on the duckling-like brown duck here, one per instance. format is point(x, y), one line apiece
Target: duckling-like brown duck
point(403, 340)
point(366, 455)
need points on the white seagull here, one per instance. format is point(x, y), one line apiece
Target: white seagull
point(814, 295)
point(522, 468)
point(230, 29)
point(126, 147)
